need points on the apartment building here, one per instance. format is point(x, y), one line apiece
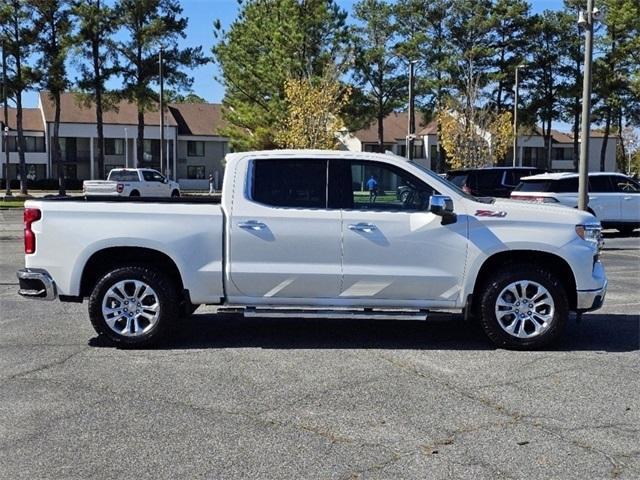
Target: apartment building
point(194, 147)
point(530, 147)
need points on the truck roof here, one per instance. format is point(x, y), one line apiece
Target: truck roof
point(561, 175)
point(302, 154)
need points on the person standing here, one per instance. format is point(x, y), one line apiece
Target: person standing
point(211, 185)
point(372, 185)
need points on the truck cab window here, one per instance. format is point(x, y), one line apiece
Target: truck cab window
point(293, 183)
point(378, 186)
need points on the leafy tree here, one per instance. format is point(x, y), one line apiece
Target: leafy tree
point(96, 24)
point(313, 113)
point(376, 62)
point(52, 22)
point(17, 34)
point(152, 24)
point(270, 42)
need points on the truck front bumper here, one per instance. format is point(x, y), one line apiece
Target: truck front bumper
point(35, 283)
point(592, 299)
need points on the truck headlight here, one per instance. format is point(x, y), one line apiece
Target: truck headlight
point(592, 233)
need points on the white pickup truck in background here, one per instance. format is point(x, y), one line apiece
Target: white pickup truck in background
point(297, 233)
point(133, 182)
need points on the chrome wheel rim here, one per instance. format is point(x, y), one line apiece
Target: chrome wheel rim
point(131, 308)
point(525, 309)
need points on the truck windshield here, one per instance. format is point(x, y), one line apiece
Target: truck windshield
point(123, 176)
point(451, 186)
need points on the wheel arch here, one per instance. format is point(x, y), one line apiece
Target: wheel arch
point(554, 263)
point(106, 259)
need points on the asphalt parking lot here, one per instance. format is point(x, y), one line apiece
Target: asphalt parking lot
point(248, 398)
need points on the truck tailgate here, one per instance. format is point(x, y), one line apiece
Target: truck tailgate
point(99, 187)
point(70, 232)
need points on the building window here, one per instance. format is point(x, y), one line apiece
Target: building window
point(195, 172)
point(195, 149)
point(151, 150)
point(31, 144)
point(373, 147)
point(417, 151)
point(114, 146)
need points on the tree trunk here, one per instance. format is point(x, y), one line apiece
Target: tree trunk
point(21, 145)
point(605, 140)
point(140, 146)
point(18, 92)
point(55, 146)
point(380, 131)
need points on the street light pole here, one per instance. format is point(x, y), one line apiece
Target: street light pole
point(585, 130)
point(411, 124)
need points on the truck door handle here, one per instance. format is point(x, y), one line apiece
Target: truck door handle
point(363, 227)
point(252, 225)
point(627, 198)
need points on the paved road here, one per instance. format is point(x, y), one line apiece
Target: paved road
point(235, 398)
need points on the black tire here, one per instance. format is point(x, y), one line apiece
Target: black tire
point(167, 298)
point(627, 229)
point(175, 193)
point(488, 296)
point(134, 193)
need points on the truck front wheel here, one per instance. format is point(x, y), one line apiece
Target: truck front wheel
point(133, 306)
point(523, 307)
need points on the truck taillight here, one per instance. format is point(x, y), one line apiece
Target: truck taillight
point(30, 215)
point(120, 188)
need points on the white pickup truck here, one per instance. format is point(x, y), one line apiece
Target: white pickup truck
point(299, 233)
point(133, 182)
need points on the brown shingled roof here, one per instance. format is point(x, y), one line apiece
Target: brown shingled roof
point(72, 111)
point(31, 119)
point(198, 118)
point(395, 128)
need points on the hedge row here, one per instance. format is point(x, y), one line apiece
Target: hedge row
point(44, 184)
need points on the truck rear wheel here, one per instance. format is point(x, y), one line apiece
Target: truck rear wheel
point(134, 306)
point(523, 307)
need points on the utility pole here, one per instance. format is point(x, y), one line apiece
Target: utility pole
point(515, 120)
point(411, 127)
point(585, 131)
point(161, 113)
point(7, 180)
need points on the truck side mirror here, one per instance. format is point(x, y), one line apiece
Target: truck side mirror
point(442, 206)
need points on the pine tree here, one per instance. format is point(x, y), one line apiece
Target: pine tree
point(376, 62)
point(97, 23)
point(152, 24)
point(52, 22)
point(17, 33)
point(271, 42)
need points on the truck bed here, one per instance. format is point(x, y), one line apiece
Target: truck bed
point(188, 230)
